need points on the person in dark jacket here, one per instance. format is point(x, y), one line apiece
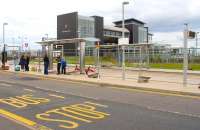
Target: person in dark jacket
point(63, 66)
point(46, 64)
point(22, 62)
point(27, 63)
point(58, 64)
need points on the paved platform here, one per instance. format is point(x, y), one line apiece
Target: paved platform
point(161, 81)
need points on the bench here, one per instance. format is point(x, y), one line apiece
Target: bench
point(143, 79)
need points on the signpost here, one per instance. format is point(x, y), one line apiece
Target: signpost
point(123, 42)
point(187, 35)
point(185, 60)
point(98, 63)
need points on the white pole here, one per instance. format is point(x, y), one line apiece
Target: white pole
point(3, 34)
point(197, 43)
point(4, 46)
point(4, 24)
point(98, 63)
point(185, 60)
point(123, 47)
point(123, 20)
point(123, 63)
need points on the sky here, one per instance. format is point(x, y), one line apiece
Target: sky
point(29, 20)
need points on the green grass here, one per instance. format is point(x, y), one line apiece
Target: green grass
point(90, 60)
point(174, 66)
point(166, 66)
point(75, 60)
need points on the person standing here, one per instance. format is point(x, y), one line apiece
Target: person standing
point(27, 63)
point(58, 64)
point(46, 64)
point(63, 66)
point(22, 62)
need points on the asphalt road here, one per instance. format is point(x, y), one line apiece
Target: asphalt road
point(58, 105)
point(7, 124)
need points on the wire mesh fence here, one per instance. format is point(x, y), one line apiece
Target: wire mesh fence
point(110, 59)
point(112, 56)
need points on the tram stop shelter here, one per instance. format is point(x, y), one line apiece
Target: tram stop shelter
point(48, 48)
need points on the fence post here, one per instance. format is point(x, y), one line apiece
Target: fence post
point(185, 60)
point(98, 63)
point(140, 63)
point(39, 69)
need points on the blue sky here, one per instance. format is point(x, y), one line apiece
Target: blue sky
point(30, 20)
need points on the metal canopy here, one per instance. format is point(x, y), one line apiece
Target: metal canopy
point(80, 41)
point(67, 41)
point(62, 41)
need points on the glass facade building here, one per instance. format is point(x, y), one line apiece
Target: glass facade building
point(142, 34)
point(86, 27)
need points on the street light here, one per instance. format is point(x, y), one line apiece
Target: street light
point(123, 36)
point(4, 54)
point(4, 24)
point(123, 26)
point(47, 36)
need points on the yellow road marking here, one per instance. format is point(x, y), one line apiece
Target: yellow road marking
point(23, 101)
point(57, 96)
point(153, 92)
point(17, 118)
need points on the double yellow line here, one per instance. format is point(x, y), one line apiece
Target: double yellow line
point(22, 120)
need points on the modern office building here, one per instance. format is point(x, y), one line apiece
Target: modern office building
point(138, 32)
point(73, 25)
point(112, 34)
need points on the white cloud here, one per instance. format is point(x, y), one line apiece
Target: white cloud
point(34, 18)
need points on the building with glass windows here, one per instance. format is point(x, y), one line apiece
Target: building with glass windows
point(138, 32)
point(73, 25)
point(112, 34)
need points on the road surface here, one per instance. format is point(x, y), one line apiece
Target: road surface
point(33, 103)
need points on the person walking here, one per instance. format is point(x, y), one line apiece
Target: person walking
point(22, 62)
point(63, 66)
point(58, 64)
point(46, 64)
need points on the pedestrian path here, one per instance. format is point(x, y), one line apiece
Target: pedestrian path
point(159, 82)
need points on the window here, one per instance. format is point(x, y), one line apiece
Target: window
point(86, 26)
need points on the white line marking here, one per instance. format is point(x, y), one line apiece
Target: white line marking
point(4, 84)
point(96, 104)
point(30, 90)
point(57, 96)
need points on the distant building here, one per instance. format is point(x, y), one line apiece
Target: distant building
point(112, 34)
point(138, 32)
point(73, 25)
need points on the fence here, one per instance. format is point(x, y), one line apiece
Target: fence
point(134, 56)
point(111, 57)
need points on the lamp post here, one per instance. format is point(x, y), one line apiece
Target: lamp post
point(197, 43)
point(4, 54)
point(4, 24)
point(123, 36)
point(47, 36)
